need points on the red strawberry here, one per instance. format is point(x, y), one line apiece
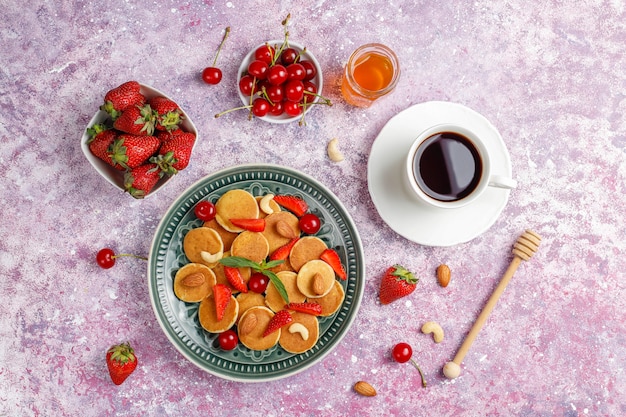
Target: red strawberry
point(136, 120)
point(234, 277)
point(397, 282)
point(121, 362)
point(292, 203)
point(251, 225)
point(308, 308)
point(164, 136)
point(100, 141)
point(130, 151)
point(283, 252)
point(175, 152)
point(169, 115)
point(139, 181)
point(331, 257)
point(221, 295)
point(280, 319)
point(121, 98)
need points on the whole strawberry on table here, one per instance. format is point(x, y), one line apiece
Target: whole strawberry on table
point(397, 282)
point(143, 137)
point(121, 362)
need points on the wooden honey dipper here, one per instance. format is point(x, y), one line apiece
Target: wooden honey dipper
point(524, 248)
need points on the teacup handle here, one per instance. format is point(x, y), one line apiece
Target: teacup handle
point(500, 181)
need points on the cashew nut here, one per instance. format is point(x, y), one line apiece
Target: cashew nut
point(211, 258)
point(299, 328)
point(434, 328)
point(264, 204)
point(333, 151)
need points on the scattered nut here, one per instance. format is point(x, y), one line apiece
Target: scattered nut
point(443, 275)
point(434, 328)
point(193, 280)
point(299, 328)
point(364, 389)
point(264, 204)
point(249, 323)
point(211, 258)
point(285, 230)
point(333, 151)
point(319, 286)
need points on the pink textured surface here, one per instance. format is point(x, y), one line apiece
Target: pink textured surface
point(548, 74)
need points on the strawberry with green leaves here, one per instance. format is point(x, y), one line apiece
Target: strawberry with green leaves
point(121, 98)
point(397, 282)
point(139, 181)
point(100, 140)
point(121, 362)
point(131, 151)
point(175, 152)
point(168, 114)
point(136, 120)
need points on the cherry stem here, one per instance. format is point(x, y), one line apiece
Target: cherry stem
point(226, 32)
point(420, 371)
point(231, 110)
point(119, 255)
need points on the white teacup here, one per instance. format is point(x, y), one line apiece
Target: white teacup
point(448, 166)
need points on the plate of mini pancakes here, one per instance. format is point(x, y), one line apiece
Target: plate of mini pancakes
point(184, 266)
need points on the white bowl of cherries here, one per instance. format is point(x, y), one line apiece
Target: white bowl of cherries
point(279, 81)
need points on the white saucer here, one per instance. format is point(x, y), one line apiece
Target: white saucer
point(411, 218)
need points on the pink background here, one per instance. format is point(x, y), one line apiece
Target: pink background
point(550, 75)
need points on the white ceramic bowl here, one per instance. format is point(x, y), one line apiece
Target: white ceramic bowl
point(307, 55)
point(112, 175)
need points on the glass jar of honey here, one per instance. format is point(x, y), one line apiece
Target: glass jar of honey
point(372, 72)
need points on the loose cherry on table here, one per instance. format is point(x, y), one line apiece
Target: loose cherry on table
point(212, 74)
point(106, 257)
point(401, 353)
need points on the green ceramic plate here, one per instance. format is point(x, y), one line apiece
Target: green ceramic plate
point(179, 320)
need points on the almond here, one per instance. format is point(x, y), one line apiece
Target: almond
point(364, 389)
point(285, 230)
point(443, 275)
point(249, 323)
point(319, 286)
point(193, 280)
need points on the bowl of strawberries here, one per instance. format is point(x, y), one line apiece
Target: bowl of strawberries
point(279, 81)
point(139, 139)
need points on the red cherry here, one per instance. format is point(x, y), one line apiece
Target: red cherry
point(310, 223)
point(292, 108)
point(228, 340)
point(277, 108)
point(311, 71)
point(277, 74)
point(288, 56)
point(275, 93)
point(265, 53)
point(105, 258)
point(402, 352)
point(296, 72)
point(260, 107)
point(294, 90)
point(205, 210)
point(258, 283)
point(212, 75)
point(310, 92)
point(258, 69)
point(246, 83)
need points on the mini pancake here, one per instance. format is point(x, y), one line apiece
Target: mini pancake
point(207, 315)
point(235, 204)
point(250, 245)
point(332, 301)
point(271, 233)
point(307, 278)
point(306, 249)
point(274, 300)
point(227, 237)
point(254, 339)
point(193, 294)
point(295, 340)
point(202, 239)
point(220, 278)
point(272, 204)
point(284, 266)
point(248, 300)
